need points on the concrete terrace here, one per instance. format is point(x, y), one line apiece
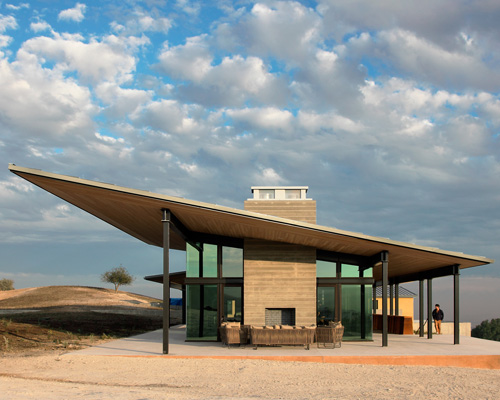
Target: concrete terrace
point(402, 350)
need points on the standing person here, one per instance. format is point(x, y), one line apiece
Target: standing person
point(437, 315)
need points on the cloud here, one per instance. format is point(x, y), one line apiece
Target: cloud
point(76, 13)
point(106, 60)
point(285, 30)
point(140, 22)
point(7, 22)
point(5, 40)
point(233, 81)
point(18, 7)
point(191, 8)
point(121, 102)
point(40, 26)
point(57, 107)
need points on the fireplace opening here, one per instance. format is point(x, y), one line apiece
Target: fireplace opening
point(280, 316)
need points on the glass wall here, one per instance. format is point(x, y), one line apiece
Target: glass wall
point(326, 305)
point(233, 303)
point(216, 292)
point(349, 271)
point(209, 260)
point(354, 299)
point(326, 269)
point(201, 317)
point(232, 262)
point(192, 261)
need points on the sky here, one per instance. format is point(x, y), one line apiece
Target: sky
point(389, 111)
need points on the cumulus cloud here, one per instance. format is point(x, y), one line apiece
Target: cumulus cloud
point(106, 60)
point(189, 7)
point(5, 40)
point(57, 107)
point(140, 22)
point(40, 26)
point(77, 13)
point(286, 30)
point(7, 22)
point(17, 7)
point(232, 82)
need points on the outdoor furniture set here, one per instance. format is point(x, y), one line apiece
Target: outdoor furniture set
point(282, 335)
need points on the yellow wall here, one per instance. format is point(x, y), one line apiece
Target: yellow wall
point(405, 306)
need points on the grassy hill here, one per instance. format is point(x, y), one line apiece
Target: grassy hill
point(71, 317)
point(66, 296)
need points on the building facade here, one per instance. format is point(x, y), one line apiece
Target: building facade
point(269, 263)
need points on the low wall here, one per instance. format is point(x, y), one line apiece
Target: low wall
point(447, 328)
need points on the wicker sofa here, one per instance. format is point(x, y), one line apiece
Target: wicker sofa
point(233, 333)
point(330, 336)
point(282, 335)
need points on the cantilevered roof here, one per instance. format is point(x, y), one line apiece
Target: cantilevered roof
point(139, 213)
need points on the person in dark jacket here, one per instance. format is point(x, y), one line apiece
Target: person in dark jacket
point(437, 315)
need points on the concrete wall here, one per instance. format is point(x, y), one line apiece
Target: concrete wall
point(447, 328)
point(279, 275)
point(299, 210)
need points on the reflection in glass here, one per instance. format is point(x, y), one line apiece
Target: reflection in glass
point(326, 269)
point(349, 271)
point(209, 260)
point(326, 305)
point(232, 262)
point(232, 304)
point(201, 318)
point(352, 311)
point(192, 261)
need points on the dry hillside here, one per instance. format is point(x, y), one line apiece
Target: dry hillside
point(63, 317)
point(63, 296)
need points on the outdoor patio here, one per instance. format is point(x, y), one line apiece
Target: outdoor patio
point(402, 350)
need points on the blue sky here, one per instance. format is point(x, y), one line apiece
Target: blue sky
point(390, 113)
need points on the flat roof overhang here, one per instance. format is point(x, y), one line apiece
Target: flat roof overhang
point(139, 213)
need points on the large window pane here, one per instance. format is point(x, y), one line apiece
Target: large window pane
point(232, 303)
point(192, 262)
point(326, 305)
point(326, 269)
point(232, 262)
point(349, 271)
point(368, 273)
point(352, 311)
point(201, 318)
point(209, 260)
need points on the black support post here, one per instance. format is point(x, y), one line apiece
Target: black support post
point(391, 298)
point(166, 278)
point(429, 308)
point(184, 303)
point(456, 305)
point(421, 307)
point(385, 282)
point(396, 298)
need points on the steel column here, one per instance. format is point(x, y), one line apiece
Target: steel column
point(391, 298)
point(429, 308)
point(396, 298)
point(456, 305)
point(166, 278)
point(184, 305)
point(421, 307)
point(385, 282)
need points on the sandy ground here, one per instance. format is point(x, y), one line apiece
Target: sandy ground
point(54, 376)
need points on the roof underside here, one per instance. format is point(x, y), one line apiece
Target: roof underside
point(139, 213)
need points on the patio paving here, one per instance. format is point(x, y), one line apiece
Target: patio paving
point(402, 350)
